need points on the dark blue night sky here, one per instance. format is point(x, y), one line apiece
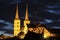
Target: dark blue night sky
point(40, 11)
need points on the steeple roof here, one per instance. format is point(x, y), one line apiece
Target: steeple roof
point(17, 16)
point(26, 16)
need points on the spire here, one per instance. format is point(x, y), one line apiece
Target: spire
point(17, 16)
point(26, 16)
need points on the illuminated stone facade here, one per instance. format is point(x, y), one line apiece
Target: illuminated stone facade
point(41, 30)
point(16, 23)
point(26, 21)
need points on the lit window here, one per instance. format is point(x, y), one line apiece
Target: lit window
point(17, 22)
point(17, 26)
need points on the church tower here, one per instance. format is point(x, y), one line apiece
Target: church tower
point(16, 23)
point(26, 21)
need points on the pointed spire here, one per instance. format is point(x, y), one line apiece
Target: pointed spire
point(26, 16)
point(17, 16)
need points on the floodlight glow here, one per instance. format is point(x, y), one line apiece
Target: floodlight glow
point(45, 36)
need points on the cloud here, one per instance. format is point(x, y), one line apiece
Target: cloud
point(9, 25)
point(6, 34)
point(2, 21)
point(6, 28)
point(2, 32)
point(54, 11)
point(5, 22)
point(48, 20)
point(55, 27)
point(53, 6)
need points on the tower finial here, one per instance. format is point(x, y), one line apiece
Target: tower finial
point(26, 16)
point(17, 16)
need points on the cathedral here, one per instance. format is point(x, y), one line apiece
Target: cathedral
point(17, 22)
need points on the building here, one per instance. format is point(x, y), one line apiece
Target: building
point(17, 22)
point(26, 21)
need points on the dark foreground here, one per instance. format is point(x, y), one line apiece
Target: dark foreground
point(33, 36)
